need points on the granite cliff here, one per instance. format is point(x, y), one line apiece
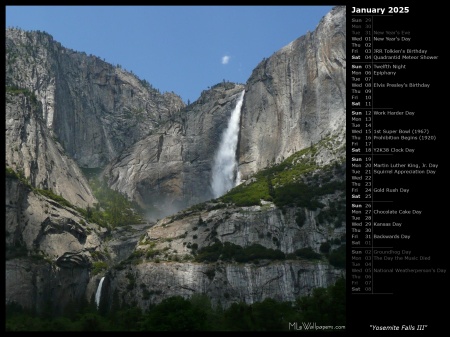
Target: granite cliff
point(94, 109)
point(293, 99)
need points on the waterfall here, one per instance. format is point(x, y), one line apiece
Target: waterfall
point(225, 164)
point(99, 292)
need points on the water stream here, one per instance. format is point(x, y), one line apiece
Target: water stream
point(99, 292)
point(224, 171)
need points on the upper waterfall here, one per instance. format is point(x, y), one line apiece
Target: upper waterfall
point(224, 171)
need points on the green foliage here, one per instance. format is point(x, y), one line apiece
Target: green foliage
point(113, 209)
point(127, 318)
point(282, 183)
point(15, 90)
point(337, 257)
point(300, 217)
point(306, 195)
point(268, 315)
point(91, 321)
point(135, 257)
point(219, 205)
point(209, 253)
point(247, 195)
point(175, 314)
point(210, 273)
point(145, 294)
point(335, 213)
point(118, 211)
point(299, 194)
point(132, 281)
point(307, 253)
point(239, 317)
point(257, 252)
point(325, 306)
point(97, 255)
point(270, 187)
point(151, 253)
point(200, 222)
point(197, 207)
point(98, 267)
point(230, 252)
point(18, 249)
point(10, 173)
point(325, 247)
point(336, 241)
point(55, 197)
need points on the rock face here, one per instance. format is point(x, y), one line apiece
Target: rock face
point(163, 263)
point(38, 285)
point(31, 150)
point(223, 283)
point(95, 109)
point(66, 110)
point(171, 168)
point(292, 100)
point(48, 249)
point(296, 96)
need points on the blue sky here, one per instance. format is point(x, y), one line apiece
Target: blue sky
point(184, 49)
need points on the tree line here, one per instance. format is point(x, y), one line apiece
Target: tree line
point(324, 306)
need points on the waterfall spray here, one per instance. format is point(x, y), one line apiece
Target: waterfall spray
point(99, 292)
point(225, 163)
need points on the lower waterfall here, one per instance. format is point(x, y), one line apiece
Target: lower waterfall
point(99, 292)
